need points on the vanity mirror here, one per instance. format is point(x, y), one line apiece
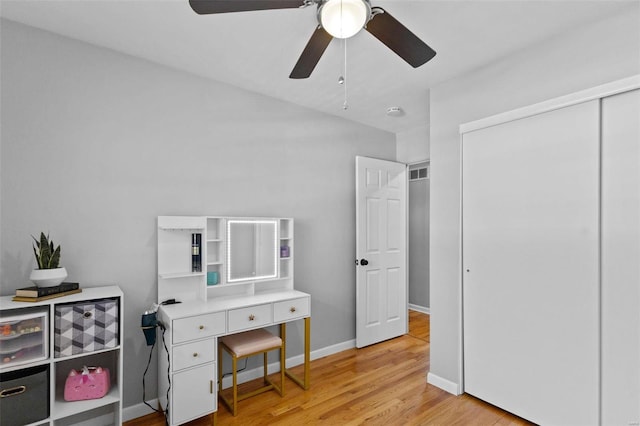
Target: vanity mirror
point(252, 249)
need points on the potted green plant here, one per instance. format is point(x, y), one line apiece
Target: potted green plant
point(48, 272)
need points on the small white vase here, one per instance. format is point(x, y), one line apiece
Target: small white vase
point(48, 277)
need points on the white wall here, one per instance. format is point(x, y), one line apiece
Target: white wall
point(413, 144)
point(95, 145)
point(583, 58)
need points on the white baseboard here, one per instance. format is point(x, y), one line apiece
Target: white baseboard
point(139, 410)
point(419, 308)
point(444, 384)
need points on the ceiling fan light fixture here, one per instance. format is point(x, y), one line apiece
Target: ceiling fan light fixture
point(344, 18)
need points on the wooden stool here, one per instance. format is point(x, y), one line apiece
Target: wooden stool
point(243, 345)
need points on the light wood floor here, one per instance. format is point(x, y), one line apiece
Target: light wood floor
point(383, 384)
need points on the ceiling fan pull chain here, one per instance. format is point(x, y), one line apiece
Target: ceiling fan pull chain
point(345, 105)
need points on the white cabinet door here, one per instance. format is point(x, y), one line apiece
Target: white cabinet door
point(381, 250)
point(194, 393)
point(621, 259)
point(530, 265)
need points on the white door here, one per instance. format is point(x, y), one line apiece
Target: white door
point(381, 250)
point(530, 265)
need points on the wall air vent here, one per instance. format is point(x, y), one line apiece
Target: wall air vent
point(419, 173)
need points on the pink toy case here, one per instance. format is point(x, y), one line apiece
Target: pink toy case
point(89, 383)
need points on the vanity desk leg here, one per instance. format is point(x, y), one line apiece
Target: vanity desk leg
point(304, 384)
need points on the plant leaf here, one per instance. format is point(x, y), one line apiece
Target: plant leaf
point(37, 241)
point(55, 258)
point(35, 252)
point(46, 256)
point(45, 252)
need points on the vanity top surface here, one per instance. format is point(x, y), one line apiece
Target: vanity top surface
point(199, 307)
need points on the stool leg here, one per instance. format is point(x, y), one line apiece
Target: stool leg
point(219, 369)
point(264, 375)
point(234, 361)
point(283, 356)
point(282, 369)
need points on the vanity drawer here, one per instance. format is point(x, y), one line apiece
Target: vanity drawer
point(251, 317)
point(192, 354)
point(198, 327)
point(291, 309)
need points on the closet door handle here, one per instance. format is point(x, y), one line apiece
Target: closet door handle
point(364, 262)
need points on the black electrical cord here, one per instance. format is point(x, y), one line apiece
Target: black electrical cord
point(164, 343)
point(237, 371)
point(144, 388)
point(144, 398)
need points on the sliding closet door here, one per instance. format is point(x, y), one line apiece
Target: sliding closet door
point(621, 259)
point(530, 265)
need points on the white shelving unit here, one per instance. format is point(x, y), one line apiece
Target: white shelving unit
point(176, 276)
point(177, 280)
point(61, 412)
point(215, 250)
point(286, 248)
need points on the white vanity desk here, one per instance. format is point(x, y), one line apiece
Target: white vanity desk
point(188, 379)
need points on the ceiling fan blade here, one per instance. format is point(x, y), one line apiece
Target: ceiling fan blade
point(398, 38)
point(205, 7)
point(311, 54)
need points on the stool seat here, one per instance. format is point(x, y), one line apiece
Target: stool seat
point(251, 342)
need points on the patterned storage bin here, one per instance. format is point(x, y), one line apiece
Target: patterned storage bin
point(86, 327)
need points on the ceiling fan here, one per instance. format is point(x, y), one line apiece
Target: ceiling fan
point(336, 18)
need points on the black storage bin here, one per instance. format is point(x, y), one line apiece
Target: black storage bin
point(24, 396)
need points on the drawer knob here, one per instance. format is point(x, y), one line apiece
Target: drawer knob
point(201, 327)
point(252, 317)
point(195, 354)
point(293, 309)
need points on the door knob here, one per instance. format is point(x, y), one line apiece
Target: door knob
point(364, 262)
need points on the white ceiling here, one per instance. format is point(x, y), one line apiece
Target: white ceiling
point(257, 50)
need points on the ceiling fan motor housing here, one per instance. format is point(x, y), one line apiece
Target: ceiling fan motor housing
point(343, 18)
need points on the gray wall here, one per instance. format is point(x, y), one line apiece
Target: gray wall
point(95, 145)
point(601, 52)
point(412, 146)
point(419, 242)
